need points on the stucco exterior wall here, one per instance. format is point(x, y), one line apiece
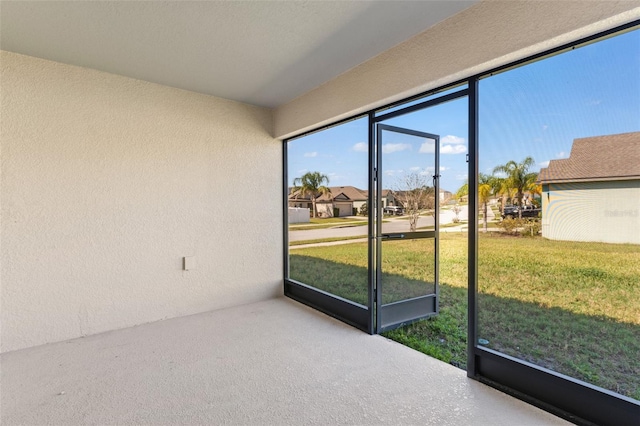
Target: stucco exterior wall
point(108, 182)
point(486, 35)
point(597, 211)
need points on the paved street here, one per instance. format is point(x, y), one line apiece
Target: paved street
point(392, 225)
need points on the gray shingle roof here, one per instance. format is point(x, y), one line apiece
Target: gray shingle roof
point(598, 158)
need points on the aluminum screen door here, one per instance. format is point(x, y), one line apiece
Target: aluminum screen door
point(407, 194)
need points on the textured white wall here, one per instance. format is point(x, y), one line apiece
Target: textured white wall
point(107, 182)
point(482, 37)
point(607, 212)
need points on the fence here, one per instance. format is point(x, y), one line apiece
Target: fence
point(298, 215)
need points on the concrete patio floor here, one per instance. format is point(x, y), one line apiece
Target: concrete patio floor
point(273, 362)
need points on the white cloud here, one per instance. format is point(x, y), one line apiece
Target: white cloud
point(544, 164)
point(428, 147)
point(452, 140)
point(427, 171)
point(562, 154)
point(360, 147)
point(453, 149)
point(462, 177)
point(311, 154)
point(449, 144)
point(545, 127)
point(388, 148)
point(393, 172)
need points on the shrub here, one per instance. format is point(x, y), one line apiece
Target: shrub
point(531, 227)
point(524, 227)
point(510, 225)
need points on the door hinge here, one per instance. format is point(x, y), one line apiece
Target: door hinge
point(467, 158)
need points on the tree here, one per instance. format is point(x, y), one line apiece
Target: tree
point(415, 195)
point(501, 189)
point(485, 189)
point(456, 209)
point(364, 209)
point(518, 177)
point(463, 191)
point(311, 184)
point(535, 189)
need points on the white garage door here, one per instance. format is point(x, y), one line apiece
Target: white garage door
point(345, 209)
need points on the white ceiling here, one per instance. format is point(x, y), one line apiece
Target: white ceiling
point(260, 52)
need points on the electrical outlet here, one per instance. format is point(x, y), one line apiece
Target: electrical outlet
point(189, 263)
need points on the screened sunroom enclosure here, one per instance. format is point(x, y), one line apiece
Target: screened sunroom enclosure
point(400, 299)
point(547, 320)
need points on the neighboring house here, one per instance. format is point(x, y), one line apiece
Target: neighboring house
point(340, 200)
point(299, 201)
point(594, 195)
point(346, 199)
point(445, 196)
point(343, 198)
point(387, 199)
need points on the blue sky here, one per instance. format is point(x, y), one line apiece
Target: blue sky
point(535, 110)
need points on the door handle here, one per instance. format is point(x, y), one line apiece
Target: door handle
point(392, 236)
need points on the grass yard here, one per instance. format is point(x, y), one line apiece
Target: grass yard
point(334, 220)
point(328, 222)
point(324, 240)
point(570, 307)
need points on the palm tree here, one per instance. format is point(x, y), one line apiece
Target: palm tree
point(534, 189)
point(486, 186)
point(312, 184)
point(518, 177)
point(499, 188)
point(485, 190)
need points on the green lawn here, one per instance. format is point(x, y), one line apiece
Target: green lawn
point(329, 222)
point(325, 240)
point(570, 307)
point(335, 220)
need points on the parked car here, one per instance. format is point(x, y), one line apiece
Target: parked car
point(395, 210)
point(530, 211)
point(512, 212)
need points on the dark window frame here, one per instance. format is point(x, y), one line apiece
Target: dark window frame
point(565, 396)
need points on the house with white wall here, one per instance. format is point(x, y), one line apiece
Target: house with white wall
point(343, 200)
point(340, 199)
point(594, 194)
